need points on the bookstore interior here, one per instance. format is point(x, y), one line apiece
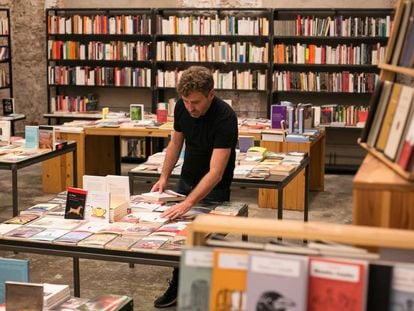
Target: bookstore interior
point(137, 121)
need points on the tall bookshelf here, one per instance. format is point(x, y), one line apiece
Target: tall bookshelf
point(383, 186)
point(240, 46)
point(317, 54)
point(6, 78)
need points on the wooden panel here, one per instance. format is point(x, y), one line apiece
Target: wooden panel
point(293, 194)
point(57, 173)
point(100, 155)
point(381, 197)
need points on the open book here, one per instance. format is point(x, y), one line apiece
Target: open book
point(166, 196)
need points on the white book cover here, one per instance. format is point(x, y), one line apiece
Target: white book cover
point(400, 119)
point(5, 131)
point(118, 186)
point(97, 206)
point(94, 183)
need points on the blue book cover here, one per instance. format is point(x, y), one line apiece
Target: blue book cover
point(277, 115)
point(31, 134)
point(16, 270)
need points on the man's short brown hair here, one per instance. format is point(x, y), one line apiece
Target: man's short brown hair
point(195, 79)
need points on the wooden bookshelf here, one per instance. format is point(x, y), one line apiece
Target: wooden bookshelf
point(381, 197)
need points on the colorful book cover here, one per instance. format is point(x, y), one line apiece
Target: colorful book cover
point(73, 237)
point(75, 203)
point(22, 219)
point(402, 293)
point(337, 284)
point(149, 243)
point(195, 278)
point(31, 135)
point(57, 223)
point(46, 137)
point(48, 235)
point(98, 240)
point(16, 270)
point(140, 230)
point(23, 232)
point(4, 228)
point(228, 280)
point(277, 279)
point(123, 243)
point(108, 303)
point(97, 206)
point(278, 116)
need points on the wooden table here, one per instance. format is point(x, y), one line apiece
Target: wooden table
point(294, 192)
point(381, 197)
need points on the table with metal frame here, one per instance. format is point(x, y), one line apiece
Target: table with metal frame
point(15, 166)
point(276, 182)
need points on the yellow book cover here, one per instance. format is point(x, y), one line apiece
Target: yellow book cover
point(389, 116)
point(228, 283)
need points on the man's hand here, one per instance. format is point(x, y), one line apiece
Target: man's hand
point(159, 186)
point(176, 210)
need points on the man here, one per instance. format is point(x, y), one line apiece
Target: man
point(208, 126)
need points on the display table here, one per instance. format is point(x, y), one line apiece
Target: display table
point(15, 166)
point(381, 197)
point(277, 183)
point(294, 192)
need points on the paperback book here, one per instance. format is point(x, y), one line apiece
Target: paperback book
point(8, 106)
point(46, 137)
point(75, 203)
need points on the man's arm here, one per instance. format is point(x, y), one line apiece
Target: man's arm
point(171, 157)
point(218, 163)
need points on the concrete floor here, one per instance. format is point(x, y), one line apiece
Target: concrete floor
point(145, 283)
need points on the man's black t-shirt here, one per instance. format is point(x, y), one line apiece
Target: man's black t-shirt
point(216, 129)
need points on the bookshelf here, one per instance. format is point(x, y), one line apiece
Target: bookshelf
point(393, 74)
point(6, 77)
point(383, 187)
point(329, 56)
point(244, 47)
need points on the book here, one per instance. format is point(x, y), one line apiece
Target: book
point(23, 232)
point(16, 290)
point(388, 117)
point(398, 123)
point(54, 294)
point(50, 222)
point(141, 230)
point(94, 183)
point(379, 286)
point(22, 219)
point(166, 196)
point(407, 51)
point(136, 112)
point(8, 106)
point(379, 113)
point(5, 130)
point(274, 135)
point(278, 116)
point(277, 279)
point(149, 244)
point(402, 31)
point(4, 228)
point(97, 206)
point(336, 283)
point(48, 235)
point(373, 104)
point(173, 246)
point(72, 237)
point(46, 137)
point(402, 293)
point(12, 270)
point(40, 209)
point(31, 137)
point(406, 158)
point(123, 243)
point(195, 278)
point(75, 203)
point(228, 280)
point(245, 142)
point(98, 240)
point(109, 302)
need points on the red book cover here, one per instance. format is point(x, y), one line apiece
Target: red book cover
point(406, 155)
point(336, 284)
point(75, 203)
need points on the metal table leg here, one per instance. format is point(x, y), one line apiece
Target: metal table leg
point(14, 192)
point(76, 279)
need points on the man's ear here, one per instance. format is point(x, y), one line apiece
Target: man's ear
point(211, 95)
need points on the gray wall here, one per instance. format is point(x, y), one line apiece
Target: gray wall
point(28, 43)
